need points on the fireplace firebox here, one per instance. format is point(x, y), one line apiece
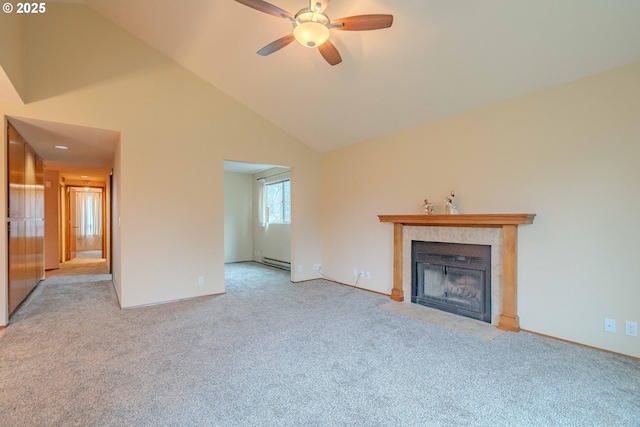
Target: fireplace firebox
point(453, 277)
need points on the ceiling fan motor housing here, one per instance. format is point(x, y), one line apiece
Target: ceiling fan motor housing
point(311, 28)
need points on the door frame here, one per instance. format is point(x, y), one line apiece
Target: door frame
point(103, 203)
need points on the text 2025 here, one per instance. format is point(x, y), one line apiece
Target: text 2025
point(31, 8)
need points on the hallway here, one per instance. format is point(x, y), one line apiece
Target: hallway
point(79, 270)
point(76, 272)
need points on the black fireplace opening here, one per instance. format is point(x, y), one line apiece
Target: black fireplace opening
point(453, 277)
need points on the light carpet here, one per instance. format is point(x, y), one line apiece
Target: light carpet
point(80, 270)
point(274, 353)
point(447, 320)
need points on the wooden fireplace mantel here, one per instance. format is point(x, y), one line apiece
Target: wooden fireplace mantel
point(509, 320)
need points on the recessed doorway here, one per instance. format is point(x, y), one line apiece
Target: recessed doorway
point(70, 156)
point(257, 213)
point(85, 215)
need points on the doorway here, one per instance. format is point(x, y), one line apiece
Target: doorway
point(257, 214)
point(85, 218)
point(64, 155)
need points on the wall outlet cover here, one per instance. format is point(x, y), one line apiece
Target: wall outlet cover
point(631, 328)
point(610, 325)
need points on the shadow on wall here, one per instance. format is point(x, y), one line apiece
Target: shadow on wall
point(89, 57)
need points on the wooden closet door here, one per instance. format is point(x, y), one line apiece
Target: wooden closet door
point(17, 229)
point(25, 221)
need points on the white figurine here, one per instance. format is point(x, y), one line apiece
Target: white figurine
point(428, 207)
point(449, 206)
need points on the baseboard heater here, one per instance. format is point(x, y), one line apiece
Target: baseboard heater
point(277, 263)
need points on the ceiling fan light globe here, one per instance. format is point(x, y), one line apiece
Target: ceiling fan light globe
point(311, 34)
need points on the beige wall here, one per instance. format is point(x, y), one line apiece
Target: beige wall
point(4, 261)
point(11, 53)
point(115, 251)
point(238, 208)
point(51, 219)
point(175, 132)
point(569, 154)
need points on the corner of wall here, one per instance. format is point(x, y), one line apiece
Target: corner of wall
point(4, 277)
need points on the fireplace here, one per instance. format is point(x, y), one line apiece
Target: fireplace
point(500, 231)
point(453, 277)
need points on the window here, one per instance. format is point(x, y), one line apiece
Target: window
point(89, 213)
point(278, 202)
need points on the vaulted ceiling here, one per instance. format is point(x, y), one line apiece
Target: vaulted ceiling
point(440, 58)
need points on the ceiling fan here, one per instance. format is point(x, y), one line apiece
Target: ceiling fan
point(311, 27)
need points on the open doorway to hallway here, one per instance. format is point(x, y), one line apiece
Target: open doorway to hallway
point(76, 167)
point(257, 212)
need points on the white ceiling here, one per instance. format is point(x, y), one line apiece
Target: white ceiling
point(439, 58)
point(90, 151)
point(246, 168)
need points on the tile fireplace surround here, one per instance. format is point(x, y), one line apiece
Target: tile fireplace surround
point(498, 230)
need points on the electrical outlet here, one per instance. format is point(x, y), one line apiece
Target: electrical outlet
point(201, 280)
point(367, 275)
point(610, 325)
point(631, 328)
point(361, 273)
point(355, 272)
point(316, 266)
point(300, 268)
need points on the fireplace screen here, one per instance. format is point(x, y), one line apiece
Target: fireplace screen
point(453, 277)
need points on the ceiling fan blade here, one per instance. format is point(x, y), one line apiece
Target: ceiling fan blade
point(330, 53)
point(265, 7)
point(364, 22)
point(276, 45)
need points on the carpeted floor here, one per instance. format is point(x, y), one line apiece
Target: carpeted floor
point(79, 270)
point(273, 353)
point(91, 253)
